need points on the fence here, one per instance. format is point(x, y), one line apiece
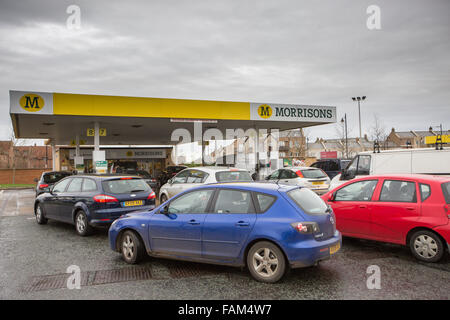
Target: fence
point(20, 176)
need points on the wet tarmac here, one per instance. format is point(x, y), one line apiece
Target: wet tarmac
point(35, 258)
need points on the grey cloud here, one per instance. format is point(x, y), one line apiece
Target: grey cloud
point(311, 52)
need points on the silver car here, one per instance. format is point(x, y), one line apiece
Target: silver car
point(308, 177)
point(192, 177)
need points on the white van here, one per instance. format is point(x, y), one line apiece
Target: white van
point(425, 161)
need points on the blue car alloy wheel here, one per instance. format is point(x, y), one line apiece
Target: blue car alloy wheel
point(266, 227)
point(132, 248)
point(266, 262)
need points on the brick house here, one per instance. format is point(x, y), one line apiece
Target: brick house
point(292, 144)
point(411, 139)
point(355, 145)
point(22, 164)
point(24, 157)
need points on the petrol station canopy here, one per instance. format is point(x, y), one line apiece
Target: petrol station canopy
point(61, 117)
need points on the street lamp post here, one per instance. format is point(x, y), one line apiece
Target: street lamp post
point(359, 99)
point(344, 120)
point(307, 141)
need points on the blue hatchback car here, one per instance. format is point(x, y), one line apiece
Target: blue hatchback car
point(266, 227)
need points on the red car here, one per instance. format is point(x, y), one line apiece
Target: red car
point(410, 210)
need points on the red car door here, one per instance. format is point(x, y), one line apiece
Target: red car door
point(351, 207)
point(395, 210)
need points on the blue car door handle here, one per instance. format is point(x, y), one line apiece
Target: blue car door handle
point(194, 222)
point(242, 224)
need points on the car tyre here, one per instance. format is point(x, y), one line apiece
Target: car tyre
point(82, 225)
point(426, 246)
point(266, 262)
point(131, 247)
point(40, 217)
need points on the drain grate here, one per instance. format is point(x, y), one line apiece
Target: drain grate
point(121, 275)
point(178, 271)
point(89, 278)
point(52, 282)
point(99, 277)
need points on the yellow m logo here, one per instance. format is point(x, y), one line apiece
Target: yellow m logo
point(265, 111)
point(31, 102)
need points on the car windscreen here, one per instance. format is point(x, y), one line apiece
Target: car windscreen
point(125, 185)
point(308, 201)
point(231, 176)
point(55, 176)
point(313, 173)
point(446, 191)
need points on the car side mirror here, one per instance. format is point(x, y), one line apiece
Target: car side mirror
point(332, 197)
point(345, 175)
point(165, 210)
point(36, 180)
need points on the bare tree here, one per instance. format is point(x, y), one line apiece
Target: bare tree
point(12, 152)
point(378, 131)
point(340, 133)
point(298, 139)
point(306, 139)
point(14, 140)
point(348, 147)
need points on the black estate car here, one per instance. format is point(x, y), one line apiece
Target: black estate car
point(332, 167)
point(48, 179)
point(88, 201)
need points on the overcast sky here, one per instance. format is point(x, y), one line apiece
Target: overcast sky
point(301, 52)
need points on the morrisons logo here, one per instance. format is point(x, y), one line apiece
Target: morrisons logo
point(303, 112)
point(31, 102)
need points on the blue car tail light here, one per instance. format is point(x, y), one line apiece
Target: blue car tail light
point(306, 227)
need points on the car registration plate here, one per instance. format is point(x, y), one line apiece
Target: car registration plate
point(133, 203)
point(315, 183)
point(335, 248)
